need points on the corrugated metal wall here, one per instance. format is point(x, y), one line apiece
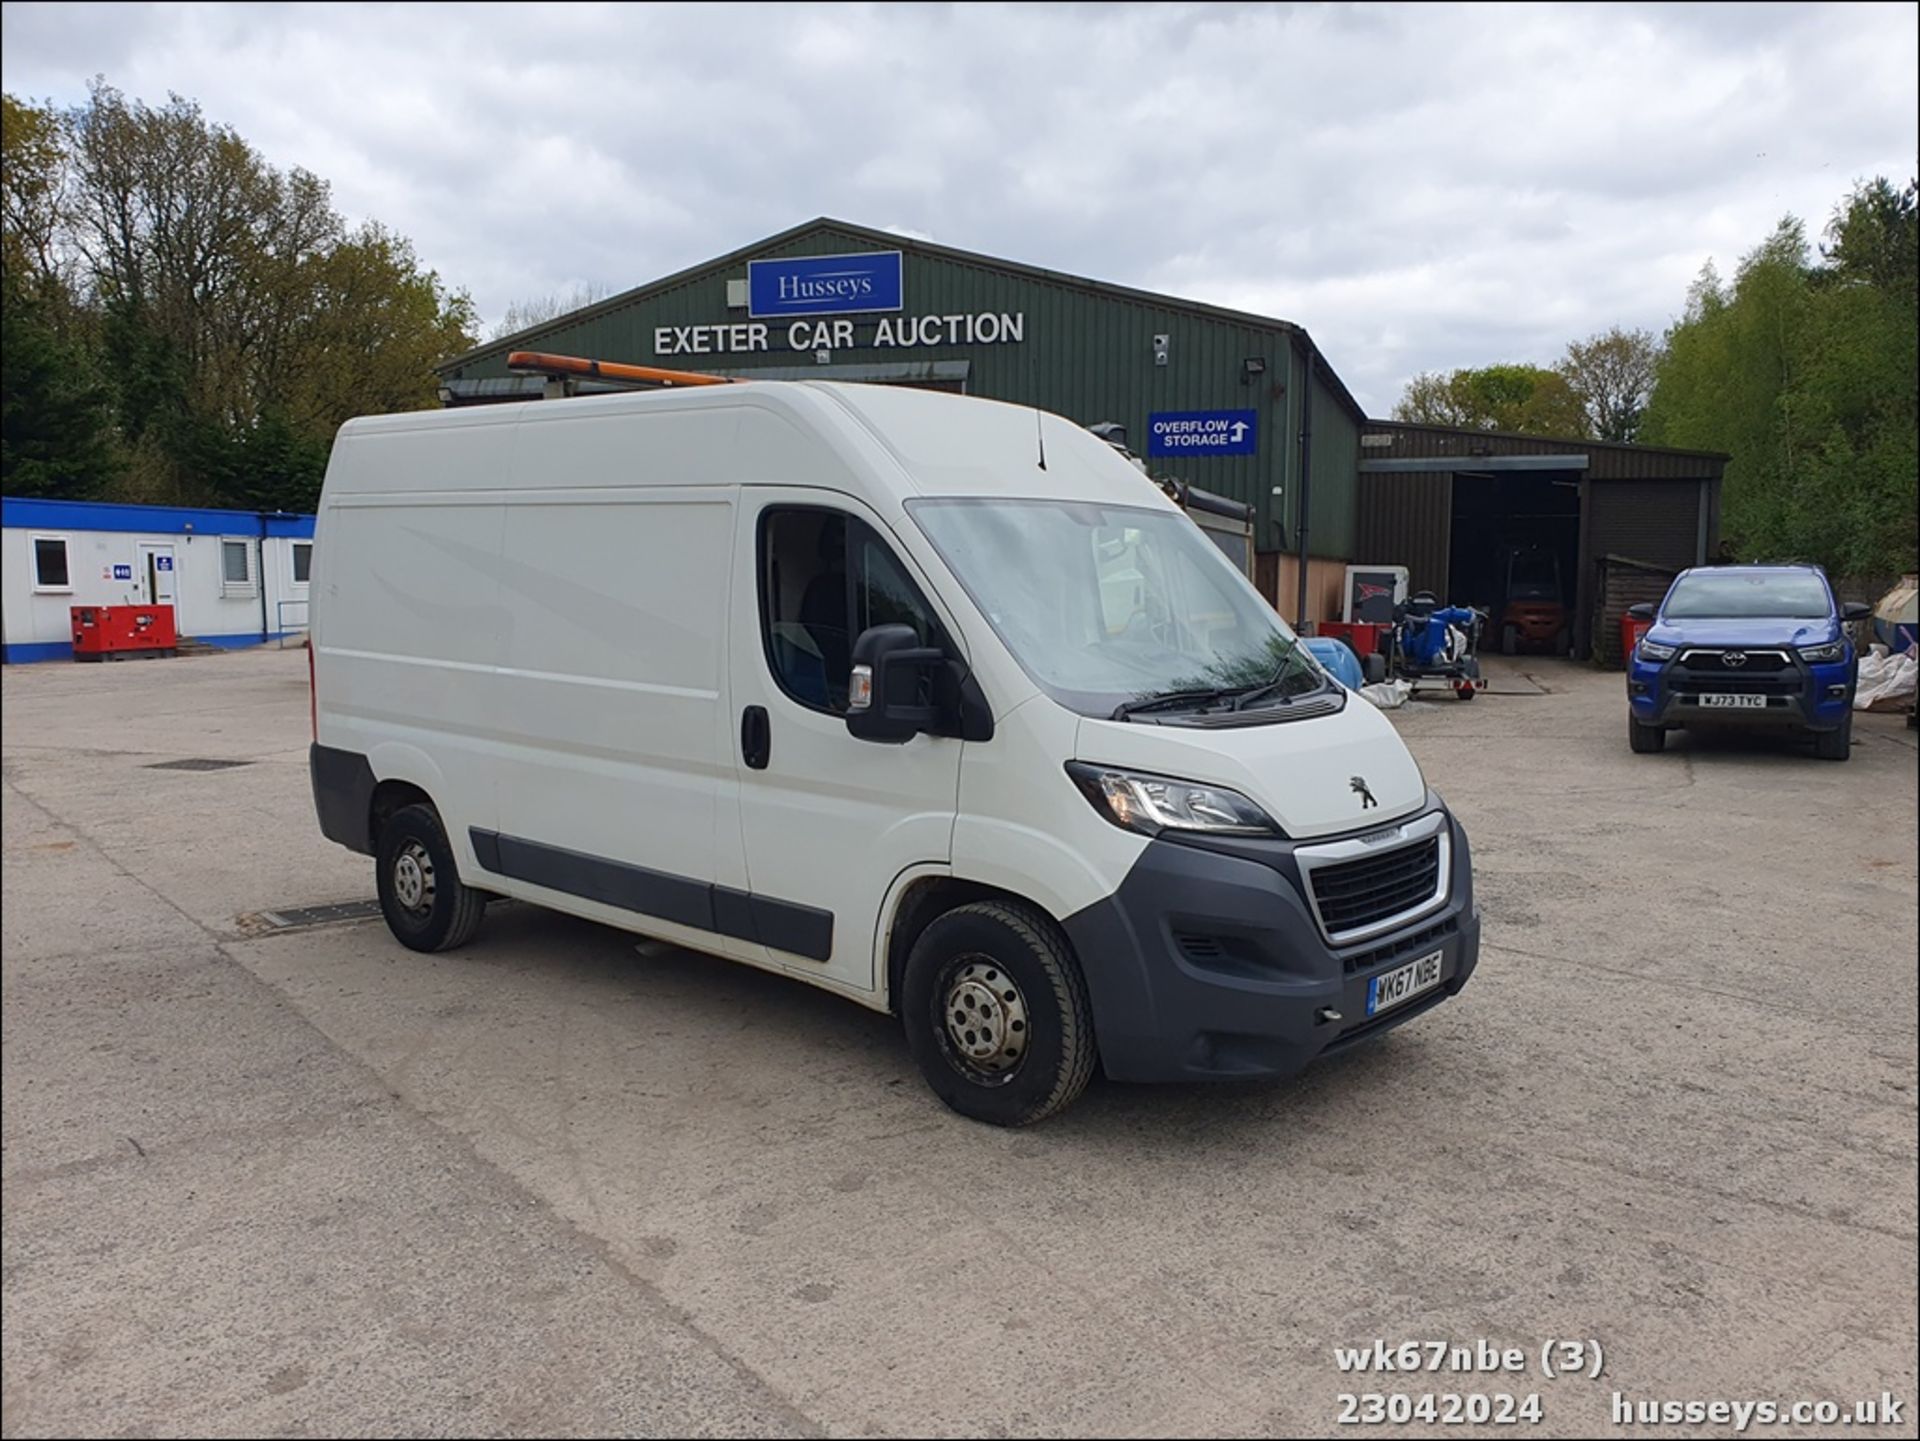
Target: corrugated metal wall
point(1605, 461)
point(1087, 353)
point(1656, 521)
point(1336, 457)
point(1406, 518)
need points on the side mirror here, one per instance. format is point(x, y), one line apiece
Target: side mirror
point(1642, 611)
point(1854, 610)
point(891, 694)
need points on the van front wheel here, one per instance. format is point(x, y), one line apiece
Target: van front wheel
point(427, 906)
point(996, 1013)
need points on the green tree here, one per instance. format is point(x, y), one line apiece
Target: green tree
point(33, 170)
point(1525, 399)
point(1805, 373)
point(54, 425)
point(1612, 373)
point(211, 317)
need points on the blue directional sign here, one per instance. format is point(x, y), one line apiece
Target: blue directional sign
point(1203, 432)
point(824, 284)
point(123, 572)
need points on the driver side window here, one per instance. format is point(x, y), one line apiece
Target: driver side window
point(824, 578)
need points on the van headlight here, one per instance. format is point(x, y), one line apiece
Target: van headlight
point(1150, 804)
point(1826, 654)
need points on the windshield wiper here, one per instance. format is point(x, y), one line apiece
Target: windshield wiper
point(1250, 694)
point(1173, 698)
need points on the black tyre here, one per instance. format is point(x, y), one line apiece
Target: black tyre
point(996, 1013)
point(1376, 668)
point(1645, 740)
point(1465, 689)
point(427, 906)
point(1837, 744)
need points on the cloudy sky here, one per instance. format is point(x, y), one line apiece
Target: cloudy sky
point(1422, 186)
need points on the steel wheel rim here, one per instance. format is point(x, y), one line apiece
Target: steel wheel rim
point(413, 879)
point(984, 1024)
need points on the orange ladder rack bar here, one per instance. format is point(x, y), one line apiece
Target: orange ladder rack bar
point(539, 363)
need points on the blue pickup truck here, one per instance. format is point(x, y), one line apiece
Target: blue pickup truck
point(1762, 645)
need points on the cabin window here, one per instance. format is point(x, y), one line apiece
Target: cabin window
point(50, 568)
point(236, 567)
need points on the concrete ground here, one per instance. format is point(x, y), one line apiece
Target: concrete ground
point(553, 1184)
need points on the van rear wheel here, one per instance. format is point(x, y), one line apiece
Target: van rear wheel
point(427, 906)
point(996, 1013)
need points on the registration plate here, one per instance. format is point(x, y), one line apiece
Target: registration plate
point(1735, 702)
point(1403, 983)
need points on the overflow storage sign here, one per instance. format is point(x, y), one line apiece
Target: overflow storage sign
point(1202, 432)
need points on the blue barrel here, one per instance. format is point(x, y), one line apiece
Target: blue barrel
point(1338, 657)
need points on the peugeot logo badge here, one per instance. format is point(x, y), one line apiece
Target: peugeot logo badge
point(1359, 787)
point(1734, 659)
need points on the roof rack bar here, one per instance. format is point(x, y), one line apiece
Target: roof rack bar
point(535, 362)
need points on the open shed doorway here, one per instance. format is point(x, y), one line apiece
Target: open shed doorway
point(1515, 554)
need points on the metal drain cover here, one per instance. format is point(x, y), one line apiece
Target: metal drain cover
point(294, 917)
point(197, 763)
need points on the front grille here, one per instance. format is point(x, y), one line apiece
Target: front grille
point(1419, 943)
point(1753, 662)
point(1355, 894)
point(1733, 683)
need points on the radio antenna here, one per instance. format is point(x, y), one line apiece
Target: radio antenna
point(1040, 437)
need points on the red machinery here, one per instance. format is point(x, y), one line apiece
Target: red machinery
point(1363, 637)
point(1632, 629)
point(113, 632)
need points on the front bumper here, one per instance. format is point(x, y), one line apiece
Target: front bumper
point(1796, 695)
point(1208, 964)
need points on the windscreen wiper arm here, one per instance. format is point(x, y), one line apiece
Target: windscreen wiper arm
point(1171, 698)
point(1253, 693)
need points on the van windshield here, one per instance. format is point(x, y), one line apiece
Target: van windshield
point(1110, 607)
point(1744, 594)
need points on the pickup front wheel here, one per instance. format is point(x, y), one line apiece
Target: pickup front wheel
point(1644, 739)
point(1836, 744)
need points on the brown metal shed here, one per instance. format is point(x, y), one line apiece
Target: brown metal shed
point(1438, 500)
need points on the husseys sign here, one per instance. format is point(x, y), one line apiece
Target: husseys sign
point(835, 287)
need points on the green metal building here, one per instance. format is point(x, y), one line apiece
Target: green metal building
point(954, 320)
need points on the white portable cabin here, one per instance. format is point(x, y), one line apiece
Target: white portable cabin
point(234, 577)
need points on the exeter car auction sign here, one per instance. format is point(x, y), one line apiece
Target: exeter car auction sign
point(824, 284)
point(824, 294)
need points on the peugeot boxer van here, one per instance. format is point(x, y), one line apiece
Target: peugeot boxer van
point(933, 702)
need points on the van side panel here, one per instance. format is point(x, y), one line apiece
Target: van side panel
point(610, 698)
point(407, 625)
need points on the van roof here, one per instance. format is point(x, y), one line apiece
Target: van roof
point(945, 444)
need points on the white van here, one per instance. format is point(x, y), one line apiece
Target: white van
point(933, 702)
